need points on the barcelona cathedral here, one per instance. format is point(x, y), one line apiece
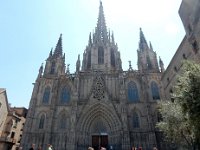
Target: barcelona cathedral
point(100, 104)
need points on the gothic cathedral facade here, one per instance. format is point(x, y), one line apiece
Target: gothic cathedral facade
point(100, 104)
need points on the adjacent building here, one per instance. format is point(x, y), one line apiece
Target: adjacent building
point(11, 123)
point(189, 48)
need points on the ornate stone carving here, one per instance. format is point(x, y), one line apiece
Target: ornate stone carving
point(98, 88)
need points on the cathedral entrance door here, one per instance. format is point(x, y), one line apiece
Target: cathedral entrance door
point(99, 141)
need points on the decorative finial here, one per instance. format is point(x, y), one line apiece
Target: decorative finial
point(130, 66)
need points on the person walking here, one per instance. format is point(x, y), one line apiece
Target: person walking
point(32, 147)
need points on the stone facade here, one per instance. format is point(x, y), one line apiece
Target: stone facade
point(12, 121)
point(189, 48)
point(3, 109)
point(100, 104)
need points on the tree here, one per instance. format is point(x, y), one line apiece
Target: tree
point(187, 93)
point(185, 110)
point(175, 125)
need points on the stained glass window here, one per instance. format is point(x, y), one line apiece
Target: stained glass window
point(64, 95)
point(46, 95)
point(133, 95)
point(100, 55)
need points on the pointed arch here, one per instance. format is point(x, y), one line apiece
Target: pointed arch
point(112, 57)
point(100, 55)
point(46, 95)
point(42, 121)
point(136, 120)
point(155, 91)
point(63, 121)
point(133, 95)
point(64, 95)
point(53, 67)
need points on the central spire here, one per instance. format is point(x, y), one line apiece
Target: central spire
point(143, 43)
point(101, 30)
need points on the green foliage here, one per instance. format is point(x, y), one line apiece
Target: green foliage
point(181, 118)
point(175, 124)
point(187, 93)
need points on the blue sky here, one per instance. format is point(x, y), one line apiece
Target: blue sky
point(29, 29)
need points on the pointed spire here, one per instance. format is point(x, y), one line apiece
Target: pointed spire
point(161, 64)
point(68, 72)
point(101, 30)
point(58, 49)
point(151, 47)
point(78, 64)
point(143, 42)
point(40, 71)
point(90, 39)
point(113, 39)
point(50, 53)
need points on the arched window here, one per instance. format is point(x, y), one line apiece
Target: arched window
point(89, 60)
point(64, 95)
point(100, 55)
point(42, 120)
point(112, 58)
point(46, 95)
point(149, 65)
point(133, 92)
point(63, 121)
point(136, 122)
point(53, 68)
point(155, 90)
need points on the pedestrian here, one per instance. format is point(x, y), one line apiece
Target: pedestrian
point(32, 147)
point(39, 147)
point(49, 147)
point(90, 148)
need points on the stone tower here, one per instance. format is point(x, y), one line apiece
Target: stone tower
point(98, 105)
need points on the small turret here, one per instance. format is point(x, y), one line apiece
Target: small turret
point(55, 63)
point(147, 58)
point(142, 43)
point(161, 64)
point(58, 49)
point(40, 71)
point(78, 64)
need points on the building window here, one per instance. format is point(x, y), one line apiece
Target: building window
point(133, 95)
point(149, 65)
point(53, 68)
point(42, 120)
point(89, 60)
point(175, 69)
point(184, 56)
point(100, 55)
point(112, 58)
point(12, 135)
point(155, 91)
point(136, 123)
point(64, 95)
point(46, 95)
point(63, 122)
point(195, 46)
